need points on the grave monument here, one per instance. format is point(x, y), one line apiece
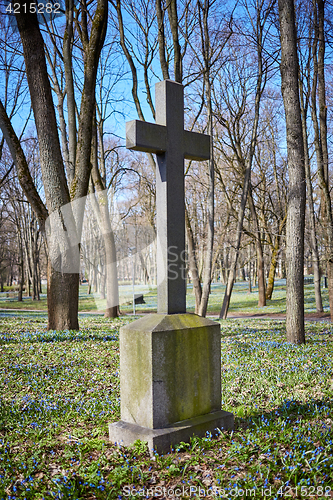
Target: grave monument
point(170, 362)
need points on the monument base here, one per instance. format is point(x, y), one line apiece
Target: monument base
point(162, 440)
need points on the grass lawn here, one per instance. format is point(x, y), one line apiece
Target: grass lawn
point(59, 390)
point(241, 300)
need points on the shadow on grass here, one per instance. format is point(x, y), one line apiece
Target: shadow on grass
point(29, 314)
point(238, 327)
point(290, 411)
point(234, 327)
point(47, 337)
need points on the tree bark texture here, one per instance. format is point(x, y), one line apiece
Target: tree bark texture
point(296, 194)
point(320, 137)
point(62, 299)
point(63, 312)
point(173, 20)
point(161, 40)
point(79, 186)
point(193, 266)
point(101, 208)
point(311, 210)
point(56, 192)
point(70, 92)
point(260, 254)
point(54, 180)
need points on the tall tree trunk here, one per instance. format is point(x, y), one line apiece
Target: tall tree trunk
point(311, 211)
point(260, 254)
point(101, 208)
point(70, 92)
point(323, 140)
point(296, 195)
point(208, 257)
point(272, 269)
point(55, 186)
point(193, 266)
point(21, 266)
point(62, 289)
point(320, 138)
point(54, 179)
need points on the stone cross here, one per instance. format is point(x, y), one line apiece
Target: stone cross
point(171, 144)
point(170, 363)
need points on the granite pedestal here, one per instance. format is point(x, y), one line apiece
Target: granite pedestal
point(170, 381)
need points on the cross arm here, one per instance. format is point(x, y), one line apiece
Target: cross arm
point(196, 146)
point(147, 137)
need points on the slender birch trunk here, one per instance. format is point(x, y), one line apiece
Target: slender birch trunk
point(193, 263)
point(208, 258)
point(311, 211)
point(259, 252)
point(101, 208)
point(296, 195)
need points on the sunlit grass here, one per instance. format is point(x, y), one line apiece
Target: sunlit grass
point(242, 302)
point(59, 390)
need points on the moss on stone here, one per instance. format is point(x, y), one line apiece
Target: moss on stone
point(170, 369)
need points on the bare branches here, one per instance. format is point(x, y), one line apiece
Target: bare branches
point(117, 6)
point(173, 20)
point(23, 172)
point(161, 40)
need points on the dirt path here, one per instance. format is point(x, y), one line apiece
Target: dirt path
point(233, 315)
point(307, 316)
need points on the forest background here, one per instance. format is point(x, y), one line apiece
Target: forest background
point(69, 83)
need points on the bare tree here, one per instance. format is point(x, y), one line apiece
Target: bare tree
point(296, 196)
point(62, 286)
point(305, 96)
point(320, 135)
point(262, 12)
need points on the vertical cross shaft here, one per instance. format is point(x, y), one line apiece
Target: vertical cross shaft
point(171, 144)
point(171, 292)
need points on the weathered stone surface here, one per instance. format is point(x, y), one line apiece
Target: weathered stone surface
point(170, 369)
point(147, 137)
point(163, 440)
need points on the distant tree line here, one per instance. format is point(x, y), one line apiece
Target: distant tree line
point(257, 78)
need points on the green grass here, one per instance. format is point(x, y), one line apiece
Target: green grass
point(244, 302)
point(241, 301)
point(59, 390)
